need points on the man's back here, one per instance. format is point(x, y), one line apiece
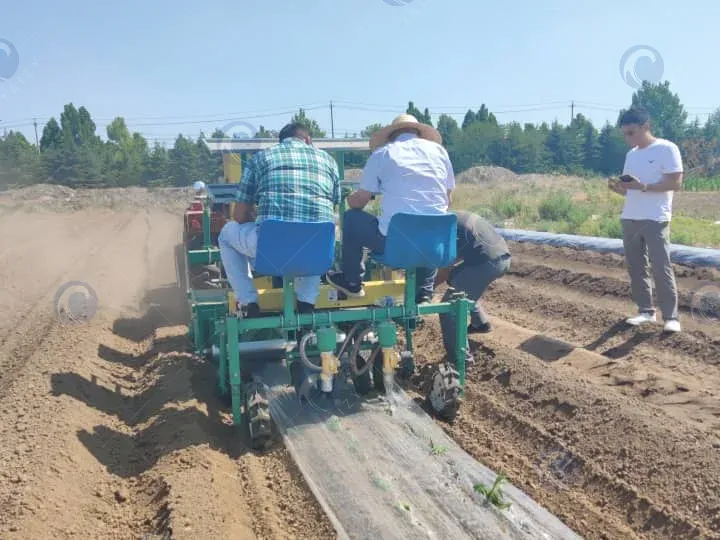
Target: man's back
point(413, 175)
point(292, 181)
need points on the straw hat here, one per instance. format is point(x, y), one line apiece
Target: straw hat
point(401, 122)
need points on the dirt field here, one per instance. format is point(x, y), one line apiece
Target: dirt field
point(110, 429)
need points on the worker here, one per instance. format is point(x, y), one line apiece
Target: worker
point(482, 257)
point(653, 171)
point(412, 171)
point(291, 181)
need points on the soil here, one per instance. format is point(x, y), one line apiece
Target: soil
point(109, 428)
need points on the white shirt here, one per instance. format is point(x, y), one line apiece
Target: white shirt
point(413, 175)
point(648, 165)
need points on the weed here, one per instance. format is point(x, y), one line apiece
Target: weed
point(437, 450)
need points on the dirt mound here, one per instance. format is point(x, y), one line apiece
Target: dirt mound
point(486, 175)
point(62, 198)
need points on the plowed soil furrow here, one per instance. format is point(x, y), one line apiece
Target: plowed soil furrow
point(110, 429)
point(606, 464)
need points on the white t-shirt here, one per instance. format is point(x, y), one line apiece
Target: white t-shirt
point(413, 175)
point(648, 165)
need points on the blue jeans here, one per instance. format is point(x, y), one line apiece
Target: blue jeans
point(360, 230)
point(238, 248)
point(473, 281)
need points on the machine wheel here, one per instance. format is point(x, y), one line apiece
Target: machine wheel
point(257, 414)
point(444, 396)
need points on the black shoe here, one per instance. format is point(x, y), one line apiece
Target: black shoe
point(338, 281)
point(484, 328)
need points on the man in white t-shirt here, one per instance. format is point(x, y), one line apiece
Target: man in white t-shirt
point(412, 171)
point(653, 171)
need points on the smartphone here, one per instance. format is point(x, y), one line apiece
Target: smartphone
point(626, 178)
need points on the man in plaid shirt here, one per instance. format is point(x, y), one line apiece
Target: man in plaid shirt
point(292, 181)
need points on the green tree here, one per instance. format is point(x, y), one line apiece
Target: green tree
point(310, 124)
point(449, 130)
point(667, 114)
point(613, 150)
point(370, 130)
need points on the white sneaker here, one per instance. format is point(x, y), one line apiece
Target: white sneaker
point(672, 326)
point(641, 319)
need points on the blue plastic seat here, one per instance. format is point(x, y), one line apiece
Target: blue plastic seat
point(292, 249)
point(420, 241)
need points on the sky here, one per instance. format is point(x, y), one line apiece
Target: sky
point(188, 66)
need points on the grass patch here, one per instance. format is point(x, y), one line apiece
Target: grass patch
point(573, 206)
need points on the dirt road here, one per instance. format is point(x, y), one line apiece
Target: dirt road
point(110, 429)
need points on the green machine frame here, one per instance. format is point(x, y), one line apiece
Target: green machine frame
point(218, 332)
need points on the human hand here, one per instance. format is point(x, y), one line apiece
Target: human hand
point(633, 183)
point(617, 186)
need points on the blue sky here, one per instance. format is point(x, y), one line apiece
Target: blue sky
point(186, 66)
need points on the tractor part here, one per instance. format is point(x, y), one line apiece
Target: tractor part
point(328, 368)
point(361, 366)
point(444, 396)
point(406, 366)
point(326, 342)
point(388, 339)
point(257, 414)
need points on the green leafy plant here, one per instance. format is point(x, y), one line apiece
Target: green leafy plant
point(437, 450)
point(494, 494)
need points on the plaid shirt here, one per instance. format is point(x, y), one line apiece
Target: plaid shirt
point(292, 181)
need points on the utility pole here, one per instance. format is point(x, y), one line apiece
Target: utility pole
point(572, 111)
point(332, 121)
point(37, 143)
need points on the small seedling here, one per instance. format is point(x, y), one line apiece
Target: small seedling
point(333, 423)
point(381, 483)
point(437, 450)
point(404, 506)
point(494, 494)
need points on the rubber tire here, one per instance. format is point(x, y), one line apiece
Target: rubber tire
point(444, 395)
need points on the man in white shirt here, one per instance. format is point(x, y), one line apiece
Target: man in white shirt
point(412, 171)
point(653, 171)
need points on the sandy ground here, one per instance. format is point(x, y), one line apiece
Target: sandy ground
point(110, 429)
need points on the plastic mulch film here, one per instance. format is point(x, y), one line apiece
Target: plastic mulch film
point(382, 468)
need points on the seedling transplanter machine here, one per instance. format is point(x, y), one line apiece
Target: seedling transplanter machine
point(355, 336)
point(327, 379)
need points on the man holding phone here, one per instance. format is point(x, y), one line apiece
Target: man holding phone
point(653, 171)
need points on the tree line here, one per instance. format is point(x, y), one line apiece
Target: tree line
point(71, 153)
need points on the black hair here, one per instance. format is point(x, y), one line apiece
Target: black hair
point(635, 115)
point(293, 130)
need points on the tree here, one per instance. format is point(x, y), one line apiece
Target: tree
point(263, 133)
point(470, 118)
point(613, 150)
point(449, 130)
point(51, 136)
point(310, 124)
point(667, 114)
point(370, 130)
point(19, 161)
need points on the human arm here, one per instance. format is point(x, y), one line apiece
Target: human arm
point(669, 182)
point(672, 177)
point(369, 184)
point(245, 210)
point(449, 177)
